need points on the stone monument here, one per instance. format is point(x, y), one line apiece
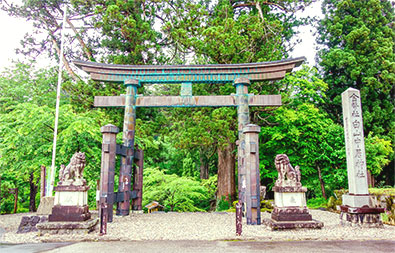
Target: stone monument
point(356, 208)
point(70, 213)
point(290, 209)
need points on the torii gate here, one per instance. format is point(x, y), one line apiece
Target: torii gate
point(241, 75)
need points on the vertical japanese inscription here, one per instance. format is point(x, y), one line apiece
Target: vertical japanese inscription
point(355, 147)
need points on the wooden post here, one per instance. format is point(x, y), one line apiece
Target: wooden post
point(103, 214)
point(239, 219)
point(98, 194)
point(129, 125)
point(107, 171)
point(253, 210)
point(42, 185)
point(138, 181)
point(16, 199)
point(243, 117)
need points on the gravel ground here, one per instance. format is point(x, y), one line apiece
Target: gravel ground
point(199, 226)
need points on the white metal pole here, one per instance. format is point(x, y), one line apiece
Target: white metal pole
point(50, 182)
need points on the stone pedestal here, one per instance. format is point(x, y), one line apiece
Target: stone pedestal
point(74, 228)
point(290, 209)
point(71, 204)
point(70, 213)
point(361, 216)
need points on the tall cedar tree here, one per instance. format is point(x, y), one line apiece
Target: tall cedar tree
point(359, 52)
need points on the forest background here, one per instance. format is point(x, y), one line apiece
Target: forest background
point(189, 151)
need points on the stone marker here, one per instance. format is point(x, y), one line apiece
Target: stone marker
point(46, 205)
point(355, 150)
point(290, 209)
point(356, 208)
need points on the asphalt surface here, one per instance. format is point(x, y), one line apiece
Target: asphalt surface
point(206, 246)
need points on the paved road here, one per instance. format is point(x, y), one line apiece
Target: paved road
point(30, 247)
point(206, 246)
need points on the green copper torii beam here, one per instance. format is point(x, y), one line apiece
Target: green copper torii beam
point(241, 75)
point(211, 73)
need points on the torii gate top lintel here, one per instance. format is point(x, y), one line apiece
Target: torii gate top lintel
point(210, 73)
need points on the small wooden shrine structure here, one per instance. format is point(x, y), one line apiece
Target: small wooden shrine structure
point(154, 207)
point(134, 76)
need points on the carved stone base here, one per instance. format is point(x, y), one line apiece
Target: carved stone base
point(277, 225)
point(291, 214)
point(71, 204)
point(361, 216)
point(81, 228)
point(69, 213)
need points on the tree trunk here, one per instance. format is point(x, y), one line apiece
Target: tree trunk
point(203, 166)
point(370, 179)
point(33, 192)
point(226, 172)
point(321, 182)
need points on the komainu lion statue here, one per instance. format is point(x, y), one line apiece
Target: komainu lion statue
point(287, 175)
point(72, 173)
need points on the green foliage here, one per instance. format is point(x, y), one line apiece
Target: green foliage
point(267, 206)
point(378, 153)
point(390, 191)
point(316, 203)
point(231, 31)
point(127, 31)
point(180, 194)
point(211, 185)
point(27, 115)
point(359, 40)
point(333, 203)
point(311, 140)
point(223, 204)
point(21, 83)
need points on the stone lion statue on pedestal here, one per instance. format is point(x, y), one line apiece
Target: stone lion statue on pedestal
point(287, 175)
point(72, 173)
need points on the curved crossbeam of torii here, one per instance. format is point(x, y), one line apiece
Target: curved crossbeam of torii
point(210, 73)
point(241, 75)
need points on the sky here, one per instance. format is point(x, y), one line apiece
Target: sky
point(13, 30)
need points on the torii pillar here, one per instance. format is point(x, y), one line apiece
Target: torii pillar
point(243, 118)
point(129, 126)
point(248, 156)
